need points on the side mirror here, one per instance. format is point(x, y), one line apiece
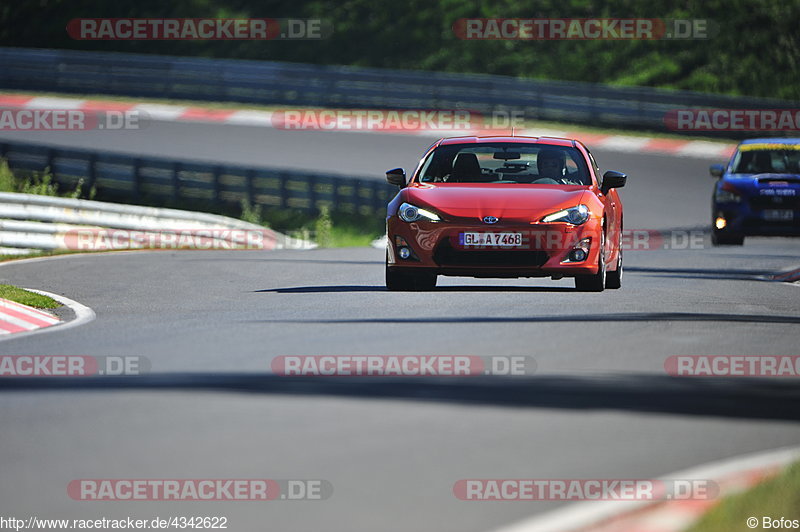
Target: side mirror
point(716, 170)
point(396, 176)
point(612, 179)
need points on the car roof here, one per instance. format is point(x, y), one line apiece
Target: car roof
point(552, 141)
point(772, 140)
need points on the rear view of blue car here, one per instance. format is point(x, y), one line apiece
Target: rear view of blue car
point(758, 193)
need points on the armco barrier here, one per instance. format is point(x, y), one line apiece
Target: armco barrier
point(158, 181)
point(292, 84)
point(29, 222)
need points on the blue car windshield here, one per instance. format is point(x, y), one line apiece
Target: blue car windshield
point(767, 159)
point(506, 163)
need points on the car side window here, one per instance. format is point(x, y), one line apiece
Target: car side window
point(594, 165)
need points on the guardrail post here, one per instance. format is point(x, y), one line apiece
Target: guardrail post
point(284, 190)
point(250, 186)
point(360, 200)
point(312, 192)
point(337, 196)
point(176, 168)
point(91, 169)
point(377, 200)
point(137, 180)
point(215, 173)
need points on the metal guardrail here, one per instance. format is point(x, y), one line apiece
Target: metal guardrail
point(79, 211)
point(160, 181)
point(29, 222)
point(277, 83)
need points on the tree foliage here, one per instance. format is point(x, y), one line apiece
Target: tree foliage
point(756, 52)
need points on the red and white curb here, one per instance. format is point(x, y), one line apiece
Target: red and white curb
point(246, 117)
point(788, 277)
point(83, 314)
point(16, 318)
point(733, 476)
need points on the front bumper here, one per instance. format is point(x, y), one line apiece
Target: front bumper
point(752, 218)
point(438, 248)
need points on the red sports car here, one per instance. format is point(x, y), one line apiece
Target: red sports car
point(505, 207)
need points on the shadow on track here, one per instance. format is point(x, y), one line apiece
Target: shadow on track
point(264, 259)
point(569, 318)
point(770, 256)
point(776, 399)
point(381, 288)
point(323, 289)
point(711, 273)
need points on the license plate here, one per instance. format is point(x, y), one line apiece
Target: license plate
point(778, 215)
point(512, 240)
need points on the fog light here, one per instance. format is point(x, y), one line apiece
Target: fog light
point(720, 223)
point(580, 251)
point(404, 253)
point(577, 255)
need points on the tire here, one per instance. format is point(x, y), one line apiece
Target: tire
point(719, 239)
point(405, 282)
point(596, 282)
point(614, 279)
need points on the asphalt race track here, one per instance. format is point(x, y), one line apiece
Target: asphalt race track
point(210, 322)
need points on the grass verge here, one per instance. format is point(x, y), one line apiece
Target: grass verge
point(32, 299)
point(41, 183)
point(328, 229)
point(776, 498)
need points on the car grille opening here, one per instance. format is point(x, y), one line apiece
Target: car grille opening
point(447, 255)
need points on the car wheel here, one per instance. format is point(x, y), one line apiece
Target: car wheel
point(719, 239)
point(596, 282)
point(614, 279)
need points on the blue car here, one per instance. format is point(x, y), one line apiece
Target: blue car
point(758, 193)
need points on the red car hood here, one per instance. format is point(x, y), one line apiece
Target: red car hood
point(505, 201)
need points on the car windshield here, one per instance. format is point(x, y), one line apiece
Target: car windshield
point(767, 159)
point(506, 163)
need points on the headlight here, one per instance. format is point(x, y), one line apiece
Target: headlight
point(574, 215)
point(410, 213)
point(726, 196)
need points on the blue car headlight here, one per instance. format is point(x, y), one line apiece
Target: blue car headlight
point(726, 196)
point(574, 215)
point(412, 213)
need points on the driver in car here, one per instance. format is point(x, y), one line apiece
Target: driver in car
point(552, 164)
point(552, 167)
